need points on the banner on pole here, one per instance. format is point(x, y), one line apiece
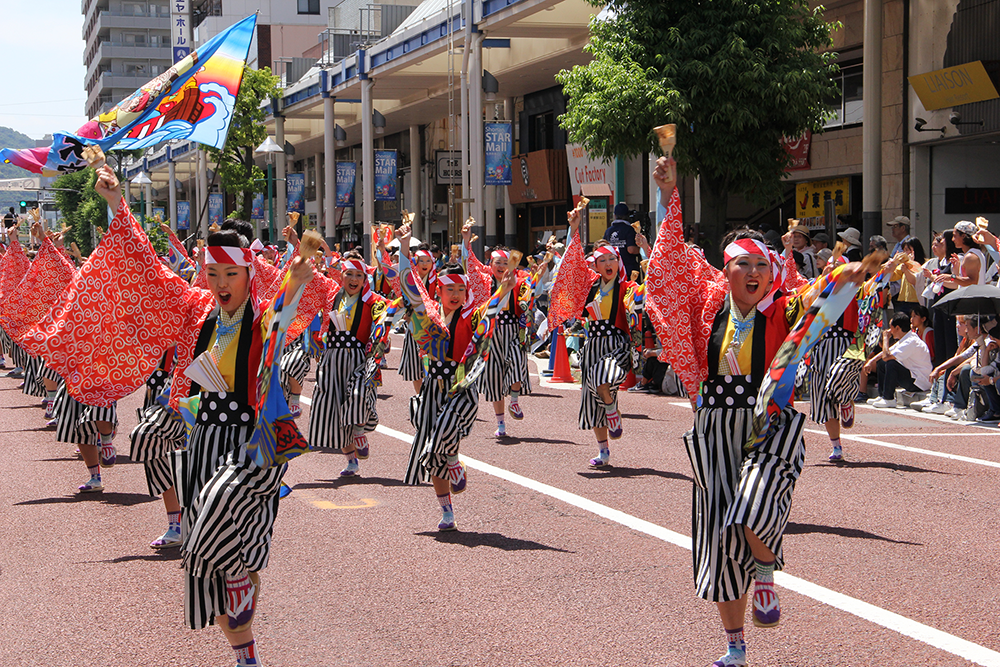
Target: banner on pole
point(385, 175)
point(180, 29)
point(257, 208)
point(216, 208)
point(346, 175)
point(183, 215)
point(296, 192)
point(159, 211)
point(499, 142)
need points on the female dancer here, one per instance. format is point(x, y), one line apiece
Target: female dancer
point(344, 409)
point(410, 366)
point(442, 413)
point(506, 371)
point(720, 330)
point(231, 506)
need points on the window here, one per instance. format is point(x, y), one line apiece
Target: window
point(308, 6)
point(849, 106)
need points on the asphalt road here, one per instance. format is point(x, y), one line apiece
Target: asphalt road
point(891, 556)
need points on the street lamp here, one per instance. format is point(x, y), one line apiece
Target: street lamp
point(340, 134)
point(378, 120)
point(268, 149)
point(490, 86)
point(142, 180)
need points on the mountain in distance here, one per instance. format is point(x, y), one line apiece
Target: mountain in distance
point(13, 139)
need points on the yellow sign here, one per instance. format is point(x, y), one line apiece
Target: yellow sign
point(952, 86)
point(810, 197)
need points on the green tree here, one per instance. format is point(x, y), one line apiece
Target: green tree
point(237, 171)
point(81, 207)
point(734, 75)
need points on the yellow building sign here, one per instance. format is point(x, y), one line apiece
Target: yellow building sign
point(952, 86)
point(809, 197)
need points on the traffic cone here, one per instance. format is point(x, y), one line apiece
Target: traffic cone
point(552, 356)
point(562, 372)
point(629, 381)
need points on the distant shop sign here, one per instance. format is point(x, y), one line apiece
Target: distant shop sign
point(971, 201)
point(449, 167)
point(585, 170)
point(810, 197)
point(798, 150)
point(952, 86)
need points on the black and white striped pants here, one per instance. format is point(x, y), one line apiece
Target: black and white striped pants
point(230, 508)
point(33, 370)
point(159, 433)
point(344, 398)
point(441, 424)
point(823, 356)
point(604, 359)
point(411, 367)
point(77, 423)
point(734, 488)
point(295, 364)
point(506, 364)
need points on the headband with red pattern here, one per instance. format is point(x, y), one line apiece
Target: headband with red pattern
point(743, 247)
point(500, 254)
point(353, 264)
point(611, 251)
point(221, 254)
point(424, 253)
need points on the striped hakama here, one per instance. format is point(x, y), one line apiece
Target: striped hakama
point(345, 393)
point(295, 364)
point(441, 424)
point(77, 422)
point(734, 488)
point(605, 359)
point(507, 363)
point(411, 366)
point(230, 505)
point(823, 356)
point(33, 385)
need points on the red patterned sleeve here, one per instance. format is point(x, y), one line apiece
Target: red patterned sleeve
point(683, 294)
point(480, 279)
point(793, 279)
point(569, 292)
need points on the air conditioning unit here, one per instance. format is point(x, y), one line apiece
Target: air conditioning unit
point(440, 209)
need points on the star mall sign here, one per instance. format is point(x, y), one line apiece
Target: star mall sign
point(798, 150)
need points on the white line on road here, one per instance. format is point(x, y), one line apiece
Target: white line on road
point(882, 617)
point(916, 450)
point(980, 655)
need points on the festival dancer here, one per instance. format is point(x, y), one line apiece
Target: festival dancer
point(606, 300)
point(411, 366)
point(720, 331)
point(230, 507)
point(445, 409)
point(506, 371)
point(344, 403)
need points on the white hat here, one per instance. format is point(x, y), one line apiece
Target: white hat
point(899, 220)
point(851, 235)
point(966, 227)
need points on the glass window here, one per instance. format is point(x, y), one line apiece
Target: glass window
point(308, 6)
point(849, 105)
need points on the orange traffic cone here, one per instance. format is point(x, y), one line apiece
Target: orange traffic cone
point(629, 381)
point(562, 372)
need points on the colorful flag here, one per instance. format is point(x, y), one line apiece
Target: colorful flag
point(430, 333)
point(193, 100)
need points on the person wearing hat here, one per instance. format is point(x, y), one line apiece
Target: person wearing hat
point(621, 235)
point(820, 241)
point(972, 268)
point(900, 230)
point(802, 247)
point(852, 238)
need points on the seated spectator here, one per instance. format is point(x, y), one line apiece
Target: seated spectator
point(905, 363)
point(972, 383)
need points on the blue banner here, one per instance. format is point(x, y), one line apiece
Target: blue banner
point(159, 211)
point(346, 174)
point(499, 142)
point(183, 215)
point(296, 191)
point(257, 208)
point(385, 175)
point(216, 208)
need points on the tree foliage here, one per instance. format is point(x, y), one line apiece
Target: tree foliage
point(81, 207)
point(237, 171)
point(734, 75)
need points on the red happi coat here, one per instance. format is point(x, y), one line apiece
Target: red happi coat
point(45, 280)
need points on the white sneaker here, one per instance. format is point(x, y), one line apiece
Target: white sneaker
point(883, 403)
point(937, 408)
point(951, 412)
point(920, 405)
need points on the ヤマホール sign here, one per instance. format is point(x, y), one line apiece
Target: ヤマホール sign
point(952, 86)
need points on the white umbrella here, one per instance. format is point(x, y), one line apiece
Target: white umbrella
point(395, 242)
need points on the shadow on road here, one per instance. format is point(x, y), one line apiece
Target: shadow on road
point(496, 540)
point(161, 556)
point(897, 467)
point(807, 528)
point(349, 481)
point(514, 440)
point(536, 395)
point(637, 416)
point(37, 429)
point(629, 473)
point(123, 499)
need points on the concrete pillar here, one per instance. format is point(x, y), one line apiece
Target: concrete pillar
point(320, 190)
point(330, 168)
point(476, 148)
point(415, 189)
point(280, 184)
point(367, 165)
point(509, 214)
point(149, 201)
point(871, 157)
point(171, 190)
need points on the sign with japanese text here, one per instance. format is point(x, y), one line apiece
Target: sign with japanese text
point(180, 29)
point(346, 176)
point(385, 175)
point(809, 197)
point(499, 144)
point(798, 150)
point(296, 192)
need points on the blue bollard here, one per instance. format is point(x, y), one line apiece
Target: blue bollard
point(552, 356)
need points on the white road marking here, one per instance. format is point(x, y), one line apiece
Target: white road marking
point(980, 655)
point(925, 435)
point(925, 415)
point(915, 450)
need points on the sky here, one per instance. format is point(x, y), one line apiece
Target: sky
point(41, 80)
